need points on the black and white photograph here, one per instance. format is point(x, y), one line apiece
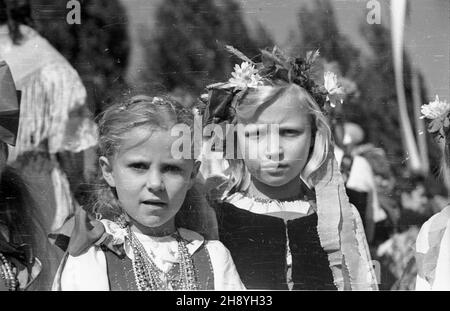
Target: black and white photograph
point(235, 148)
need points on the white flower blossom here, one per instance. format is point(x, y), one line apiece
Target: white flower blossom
point(435, 109)
point(331, 84)
point(245, 76)
point(335, 93)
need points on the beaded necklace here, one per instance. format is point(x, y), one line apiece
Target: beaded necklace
point(149, 277)
point(8, 274)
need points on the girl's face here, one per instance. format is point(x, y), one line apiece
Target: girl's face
point(277, 157)
point(151, 185)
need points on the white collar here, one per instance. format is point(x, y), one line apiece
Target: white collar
point(289, 209)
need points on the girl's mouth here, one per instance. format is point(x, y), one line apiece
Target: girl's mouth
point(274, 166)
point(154, 203)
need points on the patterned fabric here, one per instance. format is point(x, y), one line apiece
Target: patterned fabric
point(53, 114)
point(53, 98)
point(121, 276)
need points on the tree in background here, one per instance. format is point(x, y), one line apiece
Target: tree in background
point(186, 49)
point(97, 48)
point(375, 107)
point(319, 30)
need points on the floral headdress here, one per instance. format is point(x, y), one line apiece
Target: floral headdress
point(439, 113)
point(275, 66)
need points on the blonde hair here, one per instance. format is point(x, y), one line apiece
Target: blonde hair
point(258, 99)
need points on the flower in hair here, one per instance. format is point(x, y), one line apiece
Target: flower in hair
point(335, 92)
point(157, 100)
point(275, 66)
point(438, 112)
point(245, 76)
point(435, 109)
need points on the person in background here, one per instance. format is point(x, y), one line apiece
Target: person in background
point(24, 248)
point(433, 241)
point(359, 178)
point(388, 198)
point(56, 124)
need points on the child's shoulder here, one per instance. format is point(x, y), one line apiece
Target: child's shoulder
point(437, 223)
point(87, 271)
point(196, 239)
point(216, 246)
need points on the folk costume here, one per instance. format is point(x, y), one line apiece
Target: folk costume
point(119, 259)
point(19, 266)
point(433, 241)
point(54, 117)
point(433, 253)
point(316, 242)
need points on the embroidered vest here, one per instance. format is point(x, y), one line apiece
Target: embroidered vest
point(121, 275)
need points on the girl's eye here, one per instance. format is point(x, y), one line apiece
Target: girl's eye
point(290, 132)
point(139, 166)
point(173, 169)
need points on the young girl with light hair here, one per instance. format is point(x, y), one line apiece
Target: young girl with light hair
point(433, 241)
point(286, 218)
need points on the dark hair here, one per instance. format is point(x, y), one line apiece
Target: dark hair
point(15, 13)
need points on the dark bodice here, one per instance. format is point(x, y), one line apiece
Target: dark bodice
point(258, 246)
point(359, 200)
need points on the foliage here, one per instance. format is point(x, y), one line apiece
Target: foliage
point(187, 49)
point(97, 48)
point(375, 106)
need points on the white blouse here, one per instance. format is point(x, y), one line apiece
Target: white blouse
point(433, 253)
point(88, 272)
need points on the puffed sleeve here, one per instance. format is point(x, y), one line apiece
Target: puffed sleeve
point(226, 276)
point(87, 272)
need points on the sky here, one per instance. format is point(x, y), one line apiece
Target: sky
point(427, 32)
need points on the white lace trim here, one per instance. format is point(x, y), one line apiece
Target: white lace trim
point(290, 209)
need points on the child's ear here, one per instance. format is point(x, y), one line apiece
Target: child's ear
point(194, 173)
point(107, 171)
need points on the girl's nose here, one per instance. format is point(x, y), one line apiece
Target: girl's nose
point(274, 152)
point(274, 149)
point(155, 182)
